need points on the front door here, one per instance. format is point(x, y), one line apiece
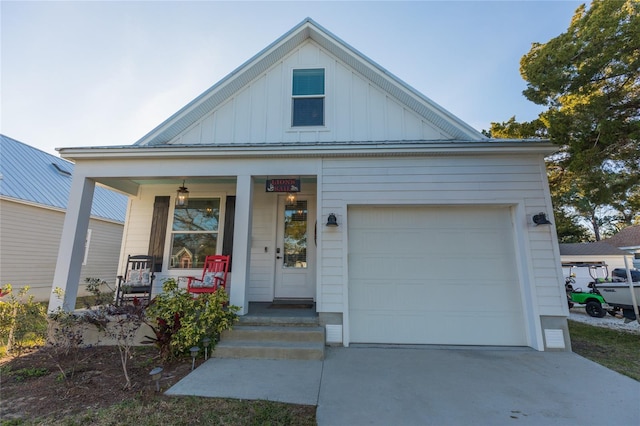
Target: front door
point(295, 249)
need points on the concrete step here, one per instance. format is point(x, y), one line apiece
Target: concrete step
point(282, 320)
point(279, 337)
point(269, 350)
point(263, 333)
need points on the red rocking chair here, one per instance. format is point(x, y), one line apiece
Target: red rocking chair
point(214, 275)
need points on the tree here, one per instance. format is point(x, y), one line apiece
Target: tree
point(589, 77)
point(511, 129)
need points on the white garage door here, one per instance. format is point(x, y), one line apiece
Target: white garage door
point(433, 275)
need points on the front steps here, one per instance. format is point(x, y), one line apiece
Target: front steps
point(279, 337)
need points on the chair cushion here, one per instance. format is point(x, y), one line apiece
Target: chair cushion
point(138, 277)
point(210, 278)
point(133, 277)
point(145, 276)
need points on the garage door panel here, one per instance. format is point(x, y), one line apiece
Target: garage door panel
point(465, 328)
point(433, 275)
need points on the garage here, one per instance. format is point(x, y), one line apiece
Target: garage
point(434, 275)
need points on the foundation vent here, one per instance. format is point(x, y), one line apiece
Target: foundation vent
point(334, 333)
point(554, 338)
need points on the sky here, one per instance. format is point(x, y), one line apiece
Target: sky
point(100, 73)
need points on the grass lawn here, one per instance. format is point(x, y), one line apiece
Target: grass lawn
point(616, 350)
point(193, 411)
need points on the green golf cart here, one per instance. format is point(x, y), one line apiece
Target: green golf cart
point(593, 302)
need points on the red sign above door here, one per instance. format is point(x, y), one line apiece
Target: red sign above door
point(283, 185)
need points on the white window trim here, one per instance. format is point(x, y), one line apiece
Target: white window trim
point(193, 194)
point(289, 85)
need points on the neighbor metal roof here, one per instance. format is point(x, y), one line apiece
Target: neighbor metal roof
point(598, 248)
point(30, 175)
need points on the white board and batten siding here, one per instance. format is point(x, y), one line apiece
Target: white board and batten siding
point(356, 109)
point(476, 182)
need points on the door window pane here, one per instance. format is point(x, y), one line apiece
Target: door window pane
point(295, 235)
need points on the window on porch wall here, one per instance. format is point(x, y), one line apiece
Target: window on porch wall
point(194, 233)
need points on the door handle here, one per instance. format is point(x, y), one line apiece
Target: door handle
point(278, 257)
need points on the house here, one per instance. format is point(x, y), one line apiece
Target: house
point(628, 239)
point(326, 178)
point(34, 190)
point(594, 252)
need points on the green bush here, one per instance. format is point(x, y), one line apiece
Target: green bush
point(180, 320)
point(23, 322)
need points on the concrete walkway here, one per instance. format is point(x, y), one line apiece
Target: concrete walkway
point(430, 386)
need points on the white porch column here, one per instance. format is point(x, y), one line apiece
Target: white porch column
point(72, 244)
point(242, 243)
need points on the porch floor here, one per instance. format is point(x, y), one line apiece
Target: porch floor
point(279, 310)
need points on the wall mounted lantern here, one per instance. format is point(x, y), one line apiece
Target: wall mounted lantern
point(331, 220)
point(182, 196)
point(541, 219)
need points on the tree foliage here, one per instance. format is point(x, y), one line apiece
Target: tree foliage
point(512, 129)
point(589, 78)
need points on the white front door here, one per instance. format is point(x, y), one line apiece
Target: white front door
point(295, 249)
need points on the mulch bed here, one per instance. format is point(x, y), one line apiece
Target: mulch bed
point(32, 385)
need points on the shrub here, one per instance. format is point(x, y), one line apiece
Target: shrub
point(23, 322)
point(180, 321)
point(98, 297)
point(119, 323)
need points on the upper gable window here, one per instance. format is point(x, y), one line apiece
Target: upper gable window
point(308, 97)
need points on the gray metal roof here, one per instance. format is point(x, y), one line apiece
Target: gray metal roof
point(598, 248)
point(30, 175)
point(309, 29)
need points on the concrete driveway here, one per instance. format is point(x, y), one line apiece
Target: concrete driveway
point(389, 385)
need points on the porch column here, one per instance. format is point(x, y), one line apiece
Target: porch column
point(72, 244)
point(242, 243)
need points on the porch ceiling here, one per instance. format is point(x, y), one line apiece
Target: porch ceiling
point(130, 185)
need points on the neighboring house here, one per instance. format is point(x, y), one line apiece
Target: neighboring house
point(326, 178)
point(34, 189)
point(595, 252)
point(628, 239)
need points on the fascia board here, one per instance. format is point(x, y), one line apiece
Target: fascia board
point(313, 150)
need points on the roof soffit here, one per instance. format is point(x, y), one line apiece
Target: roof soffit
point(279, 49)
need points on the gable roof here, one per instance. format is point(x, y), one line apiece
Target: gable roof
point(598, 248)
point(36, 177)
point(628, 237)
point(260, 63)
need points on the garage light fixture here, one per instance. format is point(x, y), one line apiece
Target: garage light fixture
point(541, 219)
point(331, 220)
